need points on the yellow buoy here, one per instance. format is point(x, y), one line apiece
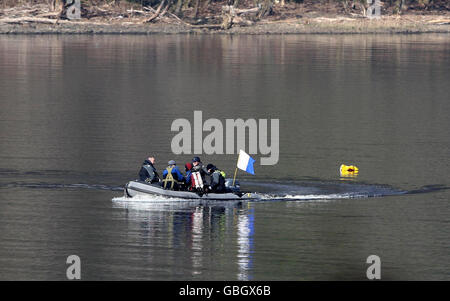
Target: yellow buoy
point(348, 170)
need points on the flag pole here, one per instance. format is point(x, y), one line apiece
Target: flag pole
point(234, 178)
point(235, 171)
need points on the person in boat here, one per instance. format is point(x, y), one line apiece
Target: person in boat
point(217, 183)
point(187, 179)
point(148, 172)
point(197, 166)
point(198, 175)
point(173, 179)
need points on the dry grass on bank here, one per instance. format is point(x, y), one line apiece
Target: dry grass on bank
point(37, 16)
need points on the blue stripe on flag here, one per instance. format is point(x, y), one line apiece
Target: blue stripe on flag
point(249, 168)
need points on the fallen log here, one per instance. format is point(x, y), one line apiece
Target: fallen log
point(235, 11)
point(439, 21)
point(47, 15)
point(23, 20)
point(28, 20)
point(157, 12)
point(207, 26)
point(138, 12)
point(148, 9)
point(164, 11)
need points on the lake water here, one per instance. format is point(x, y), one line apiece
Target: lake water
point(79, 114)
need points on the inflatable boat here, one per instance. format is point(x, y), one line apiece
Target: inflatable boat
point(134, 188)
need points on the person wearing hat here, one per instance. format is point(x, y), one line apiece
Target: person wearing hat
point(172, 177)
point(197, 166)
point(148, 172)
point(217, 183)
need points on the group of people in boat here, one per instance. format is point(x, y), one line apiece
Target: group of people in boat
point(198, 178)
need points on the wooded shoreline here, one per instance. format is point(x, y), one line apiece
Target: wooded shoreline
point(308, 17)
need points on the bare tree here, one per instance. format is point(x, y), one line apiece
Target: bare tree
point(55, 5)
point(178, 7)
point(197, 4)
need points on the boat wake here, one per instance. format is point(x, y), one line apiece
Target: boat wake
point(321, 190)
point(267, 191)
point(41, 185)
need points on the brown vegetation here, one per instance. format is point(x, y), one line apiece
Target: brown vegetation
point(217, 14)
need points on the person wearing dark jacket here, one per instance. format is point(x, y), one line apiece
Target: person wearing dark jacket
point(148, 172)
point(187, 179)
point(217, 183)
point(197, 165)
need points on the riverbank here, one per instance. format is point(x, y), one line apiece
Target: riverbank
point(319, 25)
point(289, 19)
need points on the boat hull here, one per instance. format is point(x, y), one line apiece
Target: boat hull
point(134, 188)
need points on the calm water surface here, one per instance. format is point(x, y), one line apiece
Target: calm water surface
point(80, 113)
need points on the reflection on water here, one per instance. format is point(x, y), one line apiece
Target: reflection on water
point(197, 234)
point(197, 230)
point(245, 230)
point(80, 113)
point(105, 102)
